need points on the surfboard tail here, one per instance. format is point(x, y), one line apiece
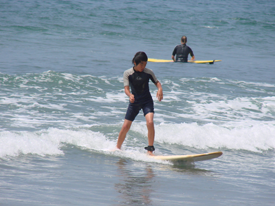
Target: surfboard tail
point(189, 158)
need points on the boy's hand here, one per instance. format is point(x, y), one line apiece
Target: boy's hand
point(132, 98)
point(160, 94)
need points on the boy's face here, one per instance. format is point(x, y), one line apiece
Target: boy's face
point(141, 66)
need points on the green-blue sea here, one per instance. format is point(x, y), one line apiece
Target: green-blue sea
point(62, 102)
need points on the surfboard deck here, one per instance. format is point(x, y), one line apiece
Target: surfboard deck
point(189, 61)
point(189, 158)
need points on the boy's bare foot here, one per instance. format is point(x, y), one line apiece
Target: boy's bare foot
point(150, 153)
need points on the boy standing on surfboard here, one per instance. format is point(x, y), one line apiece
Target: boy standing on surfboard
point(137, 78)
point(182, 51)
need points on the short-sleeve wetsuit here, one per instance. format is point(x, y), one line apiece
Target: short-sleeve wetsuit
point(182, 52)
point(139, 84)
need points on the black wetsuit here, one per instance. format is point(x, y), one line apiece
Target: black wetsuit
point(181, 51)
point(139, 84)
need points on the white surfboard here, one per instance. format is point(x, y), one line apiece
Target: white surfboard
point(189, 158)
point(196, 61)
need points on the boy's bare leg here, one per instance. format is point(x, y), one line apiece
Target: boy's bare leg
point(122, 134)
point(151, 129)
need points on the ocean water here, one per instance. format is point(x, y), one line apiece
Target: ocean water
point(62, 102)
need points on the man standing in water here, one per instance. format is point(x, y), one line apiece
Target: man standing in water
point(137, 78)
point(182, 51)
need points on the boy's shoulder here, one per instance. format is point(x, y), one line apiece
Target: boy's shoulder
point(129, 71)
point(148, 71)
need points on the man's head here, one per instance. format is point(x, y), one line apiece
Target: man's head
point(183, 39)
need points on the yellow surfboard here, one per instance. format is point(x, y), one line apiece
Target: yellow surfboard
point(189, 158)
point(159, 60)
point(196, 61)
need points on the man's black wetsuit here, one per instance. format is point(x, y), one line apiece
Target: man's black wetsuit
point(139, 84)
point(182, 52)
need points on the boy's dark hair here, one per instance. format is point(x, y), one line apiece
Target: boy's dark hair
point(139, 57)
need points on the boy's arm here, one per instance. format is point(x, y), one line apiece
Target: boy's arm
point(159, 93)
point(129, 94)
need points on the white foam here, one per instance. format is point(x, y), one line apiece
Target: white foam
point(247, 84)
point(211, 27)
point(14, 144)
point(252, 136)
point(110, 98)
point(137, 154)
point(50, 142)
point(229, 121)
point(238, 108)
